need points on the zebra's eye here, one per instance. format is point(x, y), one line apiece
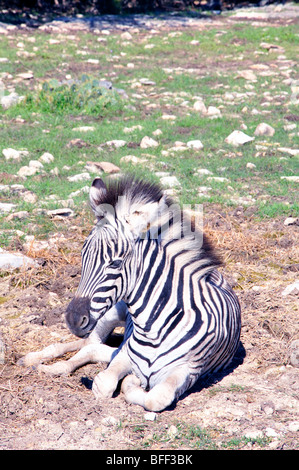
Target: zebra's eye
point(115, 264)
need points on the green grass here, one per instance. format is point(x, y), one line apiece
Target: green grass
point(182, 72)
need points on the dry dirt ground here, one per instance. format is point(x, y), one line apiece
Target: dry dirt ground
point(254, 404)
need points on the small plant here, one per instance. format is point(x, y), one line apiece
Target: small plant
point(87, 95)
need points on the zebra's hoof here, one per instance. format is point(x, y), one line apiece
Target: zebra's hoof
point(104, 385)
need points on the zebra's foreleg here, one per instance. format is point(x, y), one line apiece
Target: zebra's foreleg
point(161, 395)
point(50, 352)
point(91, 353)
point(105, 382)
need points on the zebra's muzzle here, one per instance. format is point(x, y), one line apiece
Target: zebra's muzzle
point(78, 317)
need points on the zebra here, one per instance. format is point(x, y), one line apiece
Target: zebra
point(146, 258)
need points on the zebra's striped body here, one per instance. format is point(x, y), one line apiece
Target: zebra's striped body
point(186, 318)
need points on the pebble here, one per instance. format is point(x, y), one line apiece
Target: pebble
point(170, 181)
point(293, 152)
point(237, 138)
point(291, 221)
point(250, 165)
point(292, 288)
point(46, 158)
point(6, 207)
point(200, 107)
point(148, 142)
point(116, 143)
point(10, 100)
point(61, 213)
point(25, 171)
point(294, 179)
point(294, 349)
point(84, 129)
point(195, 144)
point(255, 434)
point(294, 426)
point(15, 261)
point(150, 416)
point(264, 129)
point(79, 177)
point(108, 167)
point(12, 154)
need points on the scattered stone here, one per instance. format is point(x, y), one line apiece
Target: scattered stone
point(172, 431)
point(195, 144)
point(213, 112)
point(147, 82)
point(108, 167)
point(15, 261)
point(6, 207)
point(291, 221)
point(84, 129)
point(148, 142)
point(116, 143)
point(294, 350)
point(294, 426)
point(247, 75)
point(293, 152)
point(150, 416)
point(251, 166)
point(294, 179)
point(203, 172)
point(129, 130)
point(10, 100)
point(61, 213)
point(168, 117)
point(36, 164)
point(170, 181)
point(79, 177)
point(25, 75)
point(30, 197)
point(255, 434)
point(200, 107)
point(21, 215)
point(46, 158)
point(237, 138)
point(110, 421)
point(264, 129)
point(79, 143)
point(25, 171)
point(157, 132)
point(133, 159)
point(219, 179)
point(12, 154)
point(291, 289)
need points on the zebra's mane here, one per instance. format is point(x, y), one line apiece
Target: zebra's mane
point(137, 193)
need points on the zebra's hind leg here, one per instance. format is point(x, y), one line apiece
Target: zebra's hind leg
point(161, 395)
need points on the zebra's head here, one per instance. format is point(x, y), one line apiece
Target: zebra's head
point(124, 211)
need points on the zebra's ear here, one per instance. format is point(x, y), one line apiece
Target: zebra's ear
point(143, 217)
point(97, 192)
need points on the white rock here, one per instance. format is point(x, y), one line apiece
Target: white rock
point(116, 143)
point(84, 129)
point(36, 164)
point(203, 172)
point(128, 130)
point(264, 129)
point(237, 138)
point(150, 416)
point(11, 154)
point(157, 132)
point(170, 181)
point(168, 117)
point(291, 221)
point(250, 165)
point(200, 107)
point(46, 158)
point(148, 142)
point(291, 289)
point(195, 144)
point(294, 179)
point(63, 212)
point(15, 261)
point(147, 82)
point(213, 112)
point(247, 75)
point(25, 171)
point(254, 434)
point(6, 207)
point(294, 426)
point(79, 177)
point(293, 152)
point(219, 179)
point(10, 100)
point(132, 159)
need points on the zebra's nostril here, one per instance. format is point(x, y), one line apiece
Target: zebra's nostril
point(84, 321)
